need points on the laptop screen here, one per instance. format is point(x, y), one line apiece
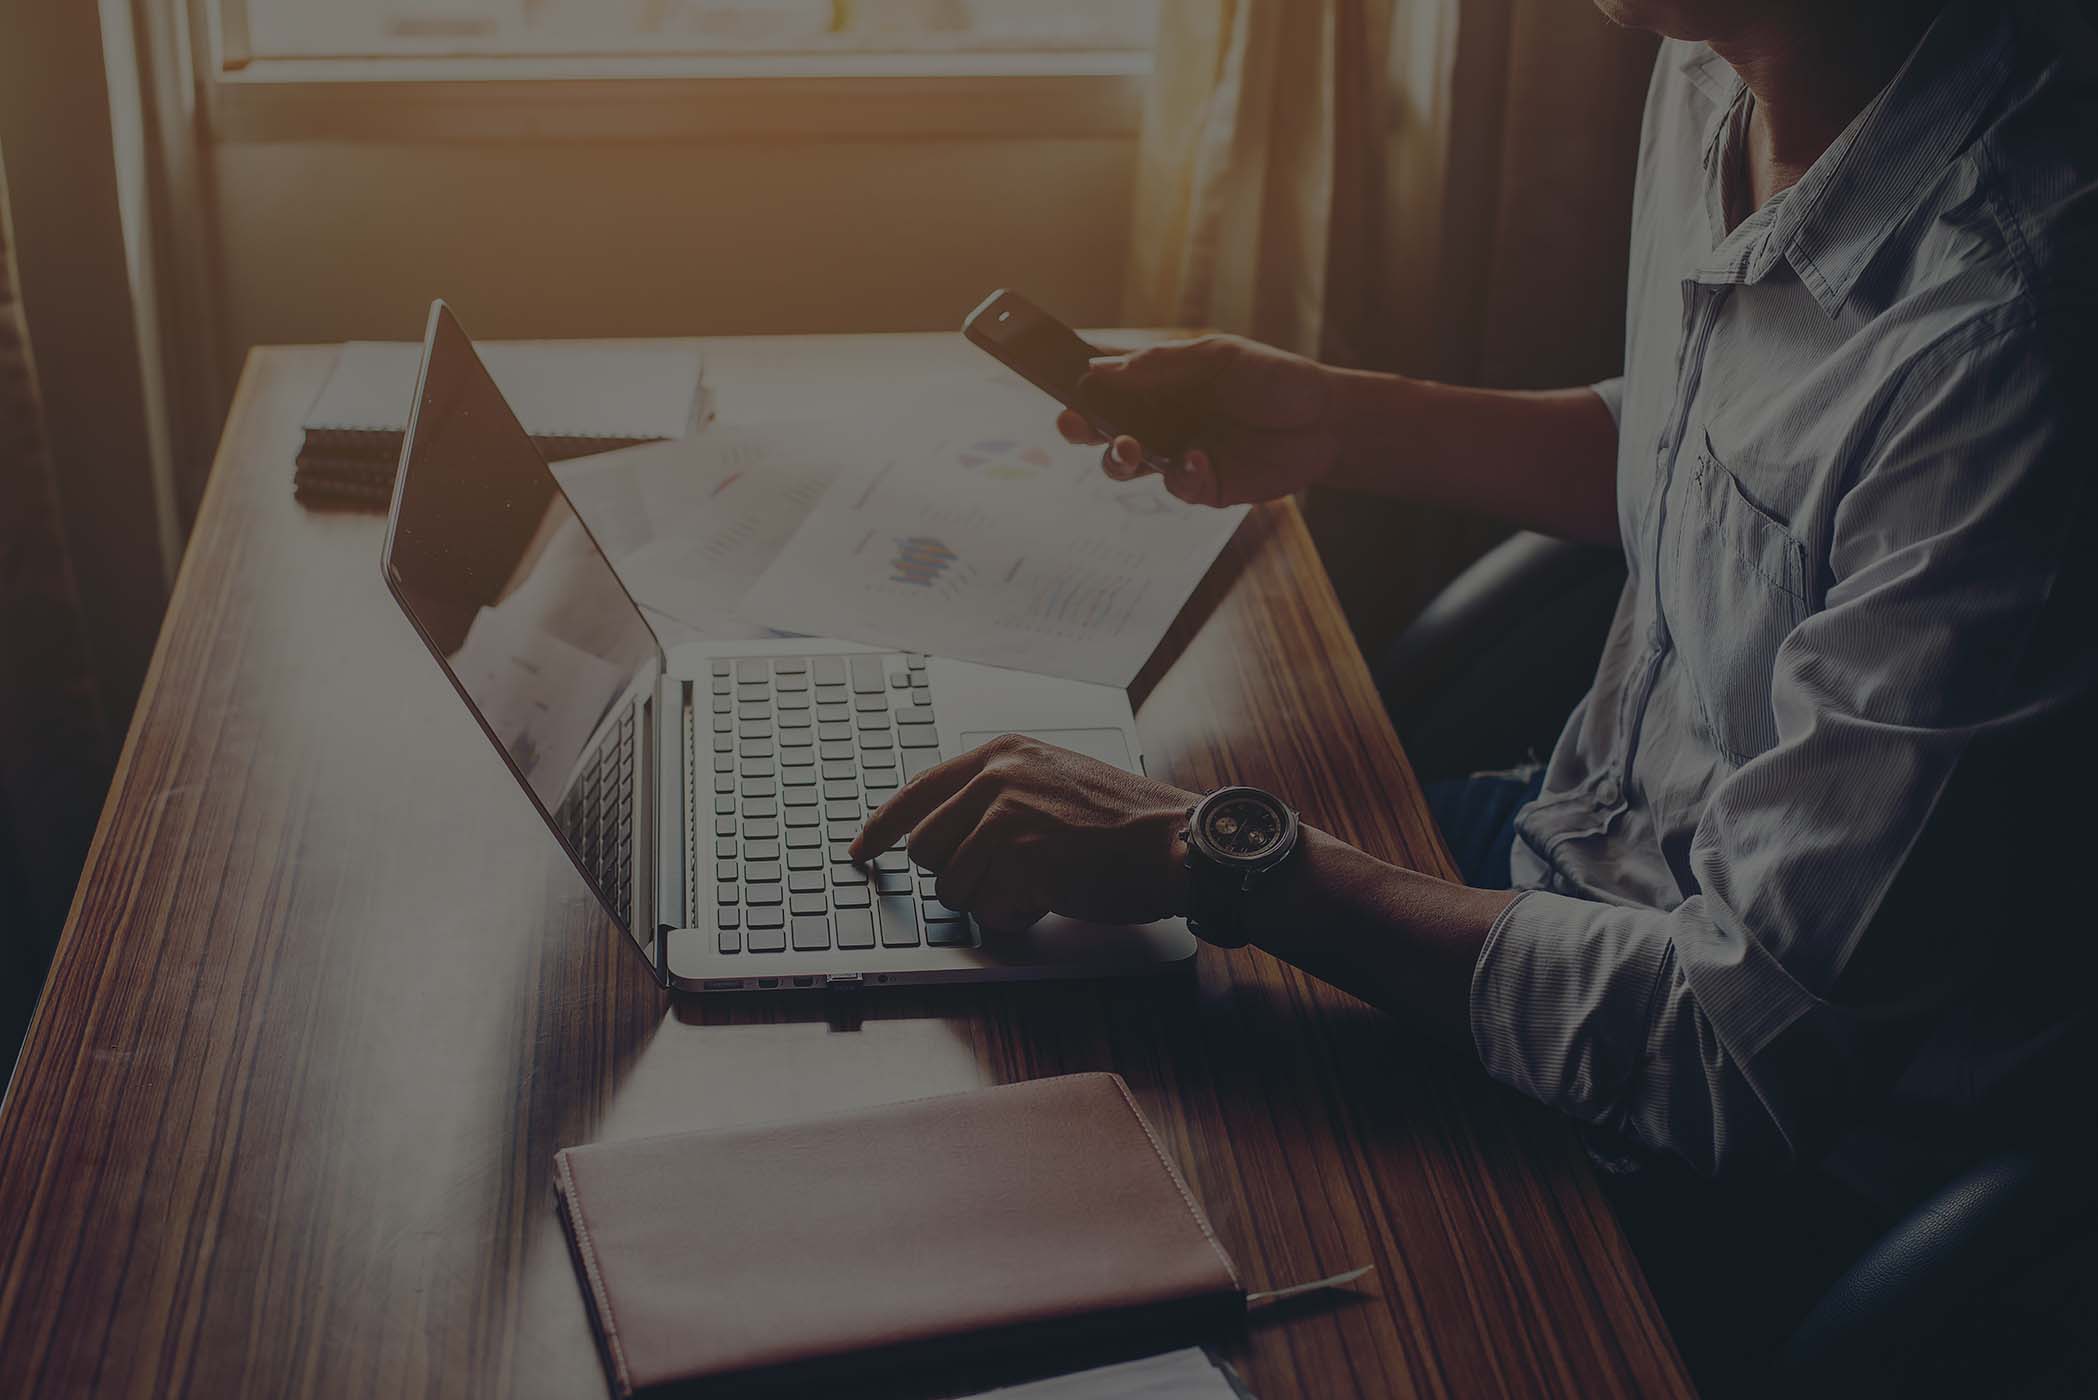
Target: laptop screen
point(505, 583)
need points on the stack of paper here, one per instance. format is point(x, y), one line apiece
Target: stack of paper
point(966, 530)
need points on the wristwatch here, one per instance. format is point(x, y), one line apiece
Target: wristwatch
point(1237, 839)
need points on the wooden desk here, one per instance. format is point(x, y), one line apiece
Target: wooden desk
point(330, 997)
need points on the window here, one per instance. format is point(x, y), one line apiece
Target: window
point(397, 29)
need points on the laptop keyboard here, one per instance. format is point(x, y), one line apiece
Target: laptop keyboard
point(802, 749)
point(598, 815)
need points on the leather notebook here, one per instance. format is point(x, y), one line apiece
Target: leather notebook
point(774, 1257)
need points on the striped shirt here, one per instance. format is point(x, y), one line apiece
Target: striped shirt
point(1796, 866)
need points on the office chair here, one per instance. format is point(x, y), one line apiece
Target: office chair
point(1963, 1296)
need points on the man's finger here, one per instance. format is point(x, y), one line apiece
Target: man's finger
point(1164, 366)
point(933, 842)
point(1124, 459)
point(913, 802)
point(1077, 429)
point(959, 884)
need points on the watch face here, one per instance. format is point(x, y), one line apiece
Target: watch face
point(1243, 827)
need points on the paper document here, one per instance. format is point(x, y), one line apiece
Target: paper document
point(972, 531)
point(1177, 1375)
point(690, 525)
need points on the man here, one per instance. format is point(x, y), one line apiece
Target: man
point(1796, 869)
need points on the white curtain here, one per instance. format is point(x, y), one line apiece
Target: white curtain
point(1258, 190)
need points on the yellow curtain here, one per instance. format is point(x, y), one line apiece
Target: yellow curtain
point(1259, 184)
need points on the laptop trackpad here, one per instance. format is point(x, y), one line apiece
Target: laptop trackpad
point(1107, 745)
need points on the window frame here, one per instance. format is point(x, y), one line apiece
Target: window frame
point(947, 93)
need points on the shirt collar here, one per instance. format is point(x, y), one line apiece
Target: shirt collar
point(1843, 209)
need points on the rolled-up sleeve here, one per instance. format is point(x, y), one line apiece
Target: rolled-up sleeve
point(1611, 392)
point(1720, 1029)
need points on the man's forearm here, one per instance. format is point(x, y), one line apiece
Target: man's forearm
point(1400, 940)
point(1542, 460)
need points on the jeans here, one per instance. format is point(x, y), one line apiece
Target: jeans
point(1477, 818)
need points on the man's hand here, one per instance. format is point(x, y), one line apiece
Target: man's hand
point(1263, 417)
point(1017, 829)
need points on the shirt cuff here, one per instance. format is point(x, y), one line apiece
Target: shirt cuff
point(1611, 392)
point(1561, 998)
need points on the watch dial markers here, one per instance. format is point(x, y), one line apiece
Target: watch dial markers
point(1244, 828)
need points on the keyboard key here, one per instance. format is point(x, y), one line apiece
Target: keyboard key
point(840, 713)
point(760, 807)
point(724, 806)
point(882, 739)
point(892, 884)
point(764, 872)
point(764, 830)
point(835, 770)
point(956, 935)
point(842, 811)
point(788, 685)
point(834, 733)
point(878, 758)
point(724, 762)
point(891, 861)
point(868, 704)
point(722, 685)
point(803, 905)
point(798, 777)
point(728, 940)
point(845, 874)
point(757, 690)
point(753, 711)
point(800, 840)
point(914, 714)
point(758, 896)
point(766, 918)
point(723, 668)
point(899, 921)
point(811, 935)
point(841, 852)
point(827, 670)
point(880, 782)
point(921, 697)
point(724, 705)
point(770, 939)
point(919, 737)
point(724, 724)
point(834, 751)
point(804, 860)
point(725, 848)
point(855, 928)
point(806, 882)
point(726, 894)
point(850, 897)
point(724, 743)
point(725, 870)
point(840, 792)
point(918, 761)
point(755, 748)
point(790, 666)
point(831, 695)
point(753, 669)
point(793, 711)
point(800, 797)
point(802, 816)
point(796, 751)
point(728, 916)
point(880, 721)
point(760, 787)
point(899, 678)
point(938, 913)
point(866, 673)
point(761, 850)
point(841, 831)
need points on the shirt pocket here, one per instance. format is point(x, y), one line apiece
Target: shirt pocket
point(1736, 587)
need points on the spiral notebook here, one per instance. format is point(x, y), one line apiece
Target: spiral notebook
point(574, 397)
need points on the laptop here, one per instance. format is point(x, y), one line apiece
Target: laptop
point(707, 793)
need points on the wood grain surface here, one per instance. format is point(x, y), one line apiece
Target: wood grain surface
point(329, 999)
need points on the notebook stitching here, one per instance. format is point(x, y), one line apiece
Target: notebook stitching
point(1173, 1175)
point(597, 1282)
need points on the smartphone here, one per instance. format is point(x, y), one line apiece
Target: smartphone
point(1054, 358)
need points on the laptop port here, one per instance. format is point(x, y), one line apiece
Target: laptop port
point(804, 981)
point(721, 984)
point(766, 983)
